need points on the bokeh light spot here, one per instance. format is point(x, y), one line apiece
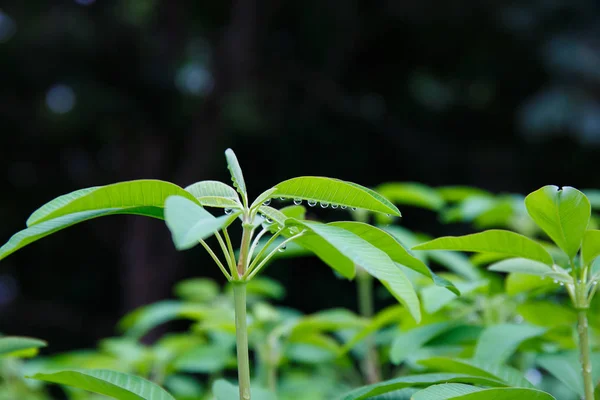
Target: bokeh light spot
point(8, 27)
point(60, 99)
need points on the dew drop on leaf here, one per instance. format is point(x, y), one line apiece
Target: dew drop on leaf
point(282, 249)
point(312, 203)
point(353, 208)
point(267, 202)
point(343, 207)
point(334, 206)
point(324, 205)
point(228, 211)
point(297, 201)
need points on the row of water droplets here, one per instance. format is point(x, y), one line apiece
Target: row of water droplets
point(311, 203)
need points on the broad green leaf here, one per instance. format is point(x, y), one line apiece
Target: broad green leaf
point(393, 248)
point(214, 194)
point(503, 373)
point(563, 214)
point(326, 321)
point(367, 392)
point(492, 241)
point(224, 390)
point(385, 317)
point(263, 198)
point(113, 384)
point(236, 173)
point(328, 253)
point(373, 260)
point(295, 211)
point(189, 223)
point(412, 194)
point(567, 368)
point(498, 342)
point(453, 194)
point(590, 248)
point(457, 391)
point(547, 314)
point(334, 192)
point(410, 341)
point(517, 283)
point(468, 210)
point(521, 265)
point(315, 348)
point(435, 298)
point(204, 359)
point(16, 344)
point(274, 215)
point(38, 231)
point(481, 259)
point(457, 263)
point(141, 197)
point(199, 290)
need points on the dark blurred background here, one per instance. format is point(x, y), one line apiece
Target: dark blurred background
point(498, 94)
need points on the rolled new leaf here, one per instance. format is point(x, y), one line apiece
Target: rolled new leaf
point(236, 173)
point(492, 241)
point(335, 192)
point(113, 384)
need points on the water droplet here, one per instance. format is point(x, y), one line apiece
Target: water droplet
point(594, 283)
point(294, 230)
point(312, 203)
point(579, 281)
point(388, 215)
point(343, 207)
point(228, 211)
point(266, 202)
point(334, 206)
point(588, 369)
point(353, 208)
point(324, 205)
point(268, 220)
point(297, 201)
point(282, 249)
point(562, 284)
point(555, 281)
point(282, 198)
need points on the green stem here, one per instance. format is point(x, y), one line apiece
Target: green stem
point(244, 248)
point(254, 270)
point(229, 247)
point(370, 364)
point(241, 334)
point(216, 259)
point(584, 354)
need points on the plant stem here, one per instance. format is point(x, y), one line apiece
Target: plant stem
point(241, 334)
point(584, 354)
point(216, 259)
point(244, 248)
point(370, 364)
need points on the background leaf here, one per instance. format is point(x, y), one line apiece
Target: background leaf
point(412, 194)
point(459, 391)
point(224, 390)
point(521, 265)
point(498, 342)
point(590, 247)
point(11, 344)
point(410, 341)
point(563, 214)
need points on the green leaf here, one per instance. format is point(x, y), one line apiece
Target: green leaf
point(410, 341)
point(224, 390)
point(412, 194)
point(113, 384)
point(189, 223)
point(335, 192)
point(328, 253)
point(236, 173)
point(492, 241)
point(457, 263)
point(521, 265)
point(264, 196)
point(498, 342)
point(454, 194)
point(457, 391)
point(563, 214)
point(435, 298)
point(206, 359)
point(387, 243)
point(369, 257)
point(13, 344)
point(218, 202)
point(547, 314)
point(469, 209)
point(590, 248)
point(567, 369)
point(214, 194)
point(199, 290)
point(517, 283)
point(503, 373)
point(367, 392)
point(141, 197)
point(328, 320)
point(385, 317)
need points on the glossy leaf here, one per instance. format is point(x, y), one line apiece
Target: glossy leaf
point(521, 265)
point(367, 392)
point(590, 248)
point(141, 197)
point(15, 344)
point(410, 341)
point(393, 248)
point(224, 390)
point(373, 260)
point(264, 196)
point(189, 222)
point(214, 194)
point(492, 241)
point(508, 375)
point(563, 214)
point(412, 194)
point(236, 172)
point(335, 191)
point(457, 391)
point(113, 384)
point(498, 342)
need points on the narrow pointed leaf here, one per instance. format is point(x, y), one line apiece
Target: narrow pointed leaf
point(590, 248)
point(498, 342)
point(457, 391)
point(521, 265)
point(336, 192)
point(387, 243)
point(563, 214)
point(212, 189)
point(372, 259)
point(189, 223)
point(410, 341)
point(412, 194)
point(141, 197)
point(367, 392)
point(113, 384)
point(508, 375)
point(492, 241)
point(236, 172)
point(12, 344)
